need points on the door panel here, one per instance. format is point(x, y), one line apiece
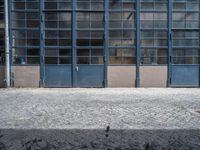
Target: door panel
point(57, 48)
point(90, 76)
point(185, 44)
point(185, 75)
point(90, 48)
point(58, 76)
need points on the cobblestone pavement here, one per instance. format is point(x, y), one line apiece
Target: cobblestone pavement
point(80, 110)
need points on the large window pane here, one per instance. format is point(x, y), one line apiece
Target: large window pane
point(154, 36)
point(122, 32)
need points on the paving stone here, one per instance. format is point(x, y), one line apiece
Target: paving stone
point(77, 118)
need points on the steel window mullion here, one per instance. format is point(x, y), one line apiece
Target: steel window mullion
point(10, 40)
point(106, 41)
point(24, 11)
point(25, 46)
point(42, 37)
point(153, 47)
point(74, 47)
point(185, 47)
point(199, 46)
point(121, 10)
point(88, 11)
point(185, 29)
point(170, 57)
point(93, 47)
point(150, 29)
point(52, 47)
point(153, 11)
point(137, 82)
point(57, 11)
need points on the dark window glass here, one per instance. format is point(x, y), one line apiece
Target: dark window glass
point(122, 32)
point(154, 36)
point(26, 31)
point(2, 34)
point(185, 35)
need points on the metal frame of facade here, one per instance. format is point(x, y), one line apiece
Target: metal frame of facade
point(138, 58)
point(106, 41)
point(169, 72)
point(10, 39)
point(74, 46)
point(199, 47)
point(172, 46)
point(42, 36)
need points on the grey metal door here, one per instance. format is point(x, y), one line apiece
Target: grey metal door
point(185, 45)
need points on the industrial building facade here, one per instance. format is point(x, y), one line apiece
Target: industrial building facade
point(102, 43)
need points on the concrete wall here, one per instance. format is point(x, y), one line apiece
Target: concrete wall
point(2, 76)
point(153, 76)
point(26, 76)
point(118, 76)
point(121, 76)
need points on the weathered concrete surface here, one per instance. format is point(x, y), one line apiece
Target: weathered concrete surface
point(77, 118)
point(149, 76)
point(121, 76)
point(26, 76)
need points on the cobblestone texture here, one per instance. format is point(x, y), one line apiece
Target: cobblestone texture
point(77, 118)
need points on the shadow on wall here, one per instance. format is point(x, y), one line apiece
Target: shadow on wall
point(2, 76)
point(38, 139)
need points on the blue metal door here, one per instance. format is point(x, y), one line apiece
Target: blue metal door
point(185, 59)
point(90, 47)
point(90, 76)
point(73, 45)
point(185, 75)
point(57, 48)
point(185, 27)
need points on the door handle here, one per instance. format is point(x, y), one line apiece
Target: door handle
point(77, 68)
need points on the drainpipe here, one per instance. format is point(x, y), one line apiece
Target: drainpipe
point(7, 50)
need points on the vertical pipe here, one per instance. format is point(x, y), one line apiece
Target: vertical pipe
point(169, 74)
point(106, 35)
point(137, 82)
point(7, 44)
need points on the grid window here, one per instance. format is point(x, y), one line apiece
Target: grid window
point(58, 32)
point(90, 32)
point(25, 31)
point(186, 35)
point(122, 32)
point(153, 20)
point(90, 5)
point(53, 5)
